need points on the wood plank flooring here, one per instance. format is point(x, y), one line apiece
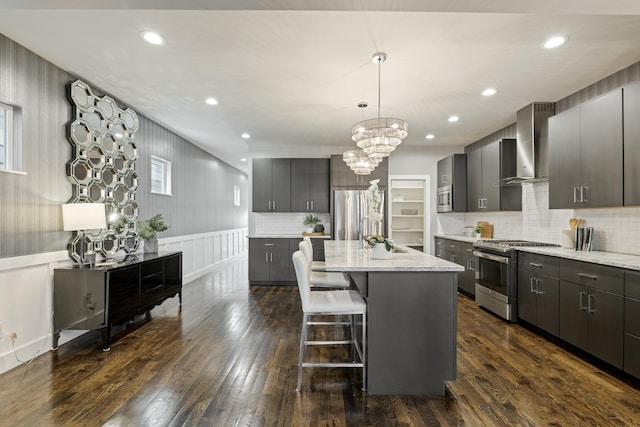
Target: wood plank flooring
point(228, 357)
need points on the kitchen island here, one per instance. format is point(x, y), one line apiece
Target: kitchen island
point(411, 312)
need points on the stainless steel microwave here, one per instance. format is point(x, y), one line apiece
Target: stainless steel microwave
point(445, 201)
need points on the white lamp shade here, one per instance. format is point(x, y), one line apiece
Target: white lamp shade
point(83, 216)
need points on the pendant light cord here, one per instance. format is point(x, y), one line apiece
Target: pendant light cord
point(379, 65)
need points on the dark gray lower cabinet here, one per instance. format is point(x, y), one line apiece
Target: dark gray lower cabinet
point(460, 253)
point(269, 261)
point(591, 309)
point(538, 291)
point(594, 307)
point(632, 323)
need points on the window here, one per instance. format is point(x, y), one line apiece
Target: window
point(236, 195)
point(160, 176)
point(6, 137)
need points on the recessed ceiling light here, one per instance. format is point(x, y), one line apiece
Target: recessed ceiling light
point(430, 136)
point(555, 41)
point(243, 159)
point(211, 101)
point(488, 91)
point(245, 135)
point(453, 119)
point(153, 38)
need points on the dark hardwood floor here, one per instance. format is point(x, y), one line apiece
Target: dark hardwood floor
point(228, 357)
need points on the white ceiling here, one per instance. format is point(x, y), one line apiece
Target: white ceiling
point(291, 73)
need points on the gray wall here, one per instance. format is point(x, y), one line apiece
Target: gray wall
point(30, 220)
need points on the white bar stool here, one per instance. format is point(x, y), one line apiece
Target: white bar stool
point(329, 303)
point(322, 279)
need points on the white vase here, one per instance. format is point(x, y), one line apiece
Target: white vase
point(379, 251)
point(478, 236)
point(150, 246)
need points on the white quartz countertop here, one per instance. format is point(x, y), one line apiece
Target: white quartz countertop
point(631, 262)
point(613, 259)
point(285, 236)
point(350, 255)
point(458, 237)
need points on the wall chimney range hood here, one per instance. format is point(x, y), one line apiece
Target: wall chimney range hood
point(532, 144)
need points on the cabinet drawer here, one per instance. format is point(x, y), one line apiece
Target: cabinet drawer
point(466, 249)
point(632, 316)
point(609, 279)
point(632, 285)
point(453, 245)
point(268, 244)
point(539, 264)
point(441, 243)
point(442, 253)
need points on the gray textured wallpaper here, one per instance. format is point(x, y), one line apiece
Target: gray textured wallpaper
point(30, 219)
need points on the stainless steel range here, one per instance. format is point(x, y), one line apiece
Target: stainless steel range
point(496, 283)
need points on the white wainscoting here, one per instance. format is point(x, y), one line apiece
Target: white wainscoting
point(26, 288)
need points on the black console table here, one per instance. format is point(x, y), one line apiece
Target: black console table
point(108, 295)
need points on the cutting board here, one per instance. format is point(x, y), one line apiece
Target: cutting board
point(313, 234)
point(487, 229)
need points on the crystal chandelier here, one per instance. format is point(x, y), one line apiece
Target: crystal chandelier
point(359, 162)
point(380, 136)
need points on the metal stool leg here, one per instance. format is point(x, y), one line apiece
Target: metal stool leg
point(303, 338)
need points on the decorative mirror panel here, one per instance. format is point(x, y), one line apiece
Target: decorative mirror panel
point(102, 168)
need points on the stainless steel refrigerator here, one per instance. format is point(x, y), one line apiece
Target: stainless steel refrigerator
point(350, 220)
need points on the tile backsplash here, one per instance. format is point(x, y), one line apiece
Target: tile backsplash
point(286, 223)
point(616, 229)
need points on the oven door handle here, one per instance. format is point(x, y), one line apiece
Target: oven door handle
point(497, 258)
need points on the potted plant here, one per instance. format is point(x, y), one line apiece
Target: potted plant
point(310, 222)
point(149, 229)
point(478, 231)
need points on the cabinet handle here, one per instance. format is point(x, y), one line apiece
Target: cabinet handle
point(533, 291)
point(312, 205)
point(270, 256)
point(575, 195)
point(269, 244)
point(307, 205)
point(582, 307)
point(533, 264)
point(453, 258)
point(584, 194)
point(472, 263)
point(469, 250)
point(266, 257)
point(274, 205)
point(452, 246)
point(269, 204)
point(589, 304)
point(538, 291)
point(588, 276)
point(479, 203)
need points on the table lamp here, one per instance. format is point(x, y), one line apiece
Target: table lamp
point(81, 217)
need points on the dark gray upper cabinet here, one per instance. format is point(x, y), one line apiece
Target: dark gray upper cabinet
point(309, 185)
point(631, 114)
point(485, 168)
point(474, 180)
point(342, 176)
point(271, 185)
point(452, 173)
point(564, 158)
point(585, 154)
